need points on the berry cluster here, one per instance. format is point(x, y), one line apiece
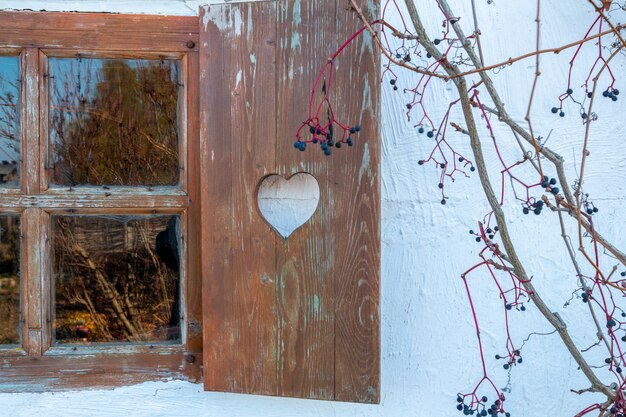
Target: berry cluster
point(536, 207)
point(490, 233)
point(611, 93)
point(479, 407)
point(514, 357)
point(325, 136)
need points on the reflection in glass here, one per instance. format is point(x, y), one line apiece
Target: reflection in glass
point(9, 120)
point(114, 121)
point(116, 278)
point(9, 279)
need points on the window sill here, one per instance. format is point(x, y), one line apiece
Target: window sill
point(98, 369)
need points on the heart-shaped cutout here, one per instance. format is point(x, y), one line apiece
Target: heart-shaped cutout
point(287, 204)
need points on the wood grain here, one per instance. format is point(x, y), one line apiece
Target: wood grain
point(35, 36)
point(52, 373)
point(317, 335)
point(238, 131)
point(102, 31)
point(357, 215)
point(305, 275)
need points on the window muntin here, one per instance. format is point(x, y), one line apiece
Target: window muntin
point(10, 143)
point(114, 121)
point(116, 278)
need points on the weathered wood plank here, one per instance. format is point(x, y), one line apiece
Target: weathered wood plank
point(90, 201)
point(90, 22)
point(323, 315)
point(30, 121)
point(357, 215)
point(54, 373)
point(193, 285)
point(305, 275)
point(32, 282)
point(238, 126)
point(102, 40)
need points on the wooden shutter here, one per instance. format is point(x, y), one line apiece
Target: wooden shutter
point(292, 317)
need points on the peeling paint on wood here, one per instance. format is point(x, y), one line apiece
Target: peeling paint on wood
point(285, 342)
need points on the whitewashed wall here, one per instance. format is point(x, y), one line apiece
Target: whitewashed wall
point(429, 347)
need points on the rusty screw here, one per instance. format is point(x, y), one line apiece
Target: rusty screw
point(191, 44)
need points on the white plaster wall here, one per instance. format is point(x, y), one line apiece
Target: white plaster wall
point(429, 347)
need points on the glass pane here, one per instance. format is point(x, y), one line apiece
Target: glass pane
point(9, 120)
point(9, 279)
point(116, 278)
point(114, 121)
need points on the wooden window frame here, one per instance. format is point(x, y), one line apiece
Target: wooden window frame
point(34, 36)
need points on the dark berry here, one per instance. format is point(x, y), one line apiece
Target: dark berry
point(605, 93)
point(484, 399)
point(555, 190)
point(420, 162)
point(525, 210)
point(523, 308)
point(537, 211)
point(553, 181)
point(607, 360)
point(408, 106)
point(312, 129)
point(327, 152)
point(302, 147)
point(496, 228)
point(459, 399)
point(610, 323)
point(350, 142)
point(420, 130)
point(589, 94)
point(442, 166)
point(584, 116)
point(459, 407)
point(505, 366)
point(392, 82)
point(472, 169)
point(296, 144)
point(461, 159)
point(353, 130)
point(428, 55)
point(478, 239)
point(616, 92)
point(623, 274)
point(430, 134)
point(555, 110)
point(595, 209)
point(440, 185)
point(570, 91)
point(443, 201)
point(497, 356)
point(338, 145)
point(562, 114)
point(395, 88)
point(545, 184)
point(357, 128)
point(436, 41)
point(614, 98)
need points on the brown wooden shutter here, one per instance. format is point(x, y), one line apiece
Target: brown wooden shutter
point(298, 317)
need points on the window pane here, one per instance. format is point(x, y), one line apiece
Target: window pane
point(116, 278)
point(114, 121)
point(9, 120)
point(9, 279)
